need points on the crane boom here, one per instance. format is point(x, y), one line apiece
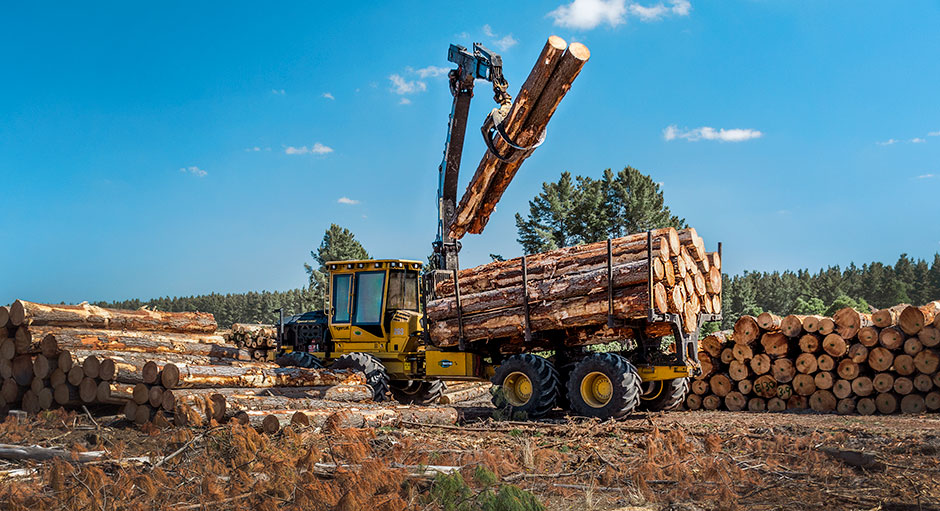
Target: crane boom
point(481, 64)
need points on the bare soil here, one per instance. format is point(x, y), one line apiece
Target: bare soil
point(673, 460)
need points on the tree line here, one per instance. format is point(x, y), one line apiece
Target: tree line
point(582, 209)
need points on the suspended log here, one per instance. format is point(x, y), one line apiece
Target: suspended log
point(883, 318)
point(913, 319)
point(493, 177)
point(90, 316)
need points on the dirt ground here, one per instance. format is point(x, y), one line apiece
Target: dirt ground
point(674, 460)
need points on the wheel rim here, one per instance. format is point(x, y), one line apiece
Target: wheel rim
point(652, 390)
point(518, 388)
point(596, 389)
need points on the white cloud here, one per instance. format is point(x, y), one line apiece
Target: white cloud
point(890, 141)
point(917, 140)
point(505, 43)
point(278, 92)
point(194, 170)
point(404, 101)
point(254, 149)
point(402, 86)
point(488, 31)
point(588, 14)
point(934, 134)
point(709, 133)
point(347, 200)
point(327, 95)
point(462, 35)
point(317, 148)
point(925, 176)
point(431, 71)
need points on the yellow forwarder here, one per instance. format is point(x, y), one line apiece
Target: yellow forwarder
point(374, 320)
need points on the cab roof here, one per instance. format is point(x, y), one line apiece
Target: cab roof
point(373, 263)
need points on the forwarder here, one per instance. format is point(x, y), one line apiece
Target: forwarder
point(374, 319)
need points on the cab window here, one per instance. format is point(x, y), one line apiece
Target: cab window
point(340, 298)
point(370, 289)
point(403, 290)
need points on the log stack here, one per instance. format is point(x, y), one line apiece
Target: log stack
point(886, 362)
point(568, 289)
point(259, 340)
point(162, 368)
point(524, 125)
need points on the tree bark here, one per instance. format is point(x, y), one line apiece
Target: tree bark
point(207, 345)
point(90, 316)
point(483, 194)
point(913, 319)
point(883, 318)
point(193, 376)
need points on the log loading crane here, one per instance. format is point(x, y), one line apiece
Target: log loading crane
point(374, 320)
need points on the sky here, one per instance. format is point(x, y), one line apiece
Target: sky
point(180, 148)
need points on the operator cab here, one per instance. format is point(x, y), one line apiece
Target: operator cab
point(365, 297)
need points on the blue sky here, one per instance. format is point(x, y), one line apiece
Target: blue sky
point(185, 148)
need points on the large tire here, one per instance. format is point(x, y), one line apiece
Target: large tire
point(526, 384)
point(604, 385)
point(415, 392)
point(299, 359)
point(662, 395)
point(371, 367)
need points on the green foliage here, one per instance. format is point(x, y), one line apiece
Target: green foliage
point(339, 244)
point(873, 285)
point(452, 493)
point(584, 210)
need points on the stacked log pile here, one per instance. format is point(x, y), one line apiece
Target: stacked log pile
point(259, 340)
point(568, 288)
point(524, 125)
point(165, 368)
point(886, 362)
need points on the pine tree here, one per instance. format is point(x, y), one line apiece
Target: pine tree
point(339, 244)
point(584, 210)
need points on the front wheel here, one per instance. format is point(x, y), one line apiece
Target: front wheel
point(526, 384)
point(604, 385)
point(371, 367)
point(414, 392)
point(299, 359)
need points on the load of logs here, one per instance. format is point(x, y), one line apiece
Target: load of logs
point(885, 362)
point(567, 288)
point(170, 368)
point(523, 126)
point(259, 340)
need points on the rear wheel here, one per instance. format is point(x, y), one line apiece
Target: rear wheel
point(663, 394)
point(299, 359)
point(604, 385)
point(371, 367)
point(415, 392)
point(526, 383)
